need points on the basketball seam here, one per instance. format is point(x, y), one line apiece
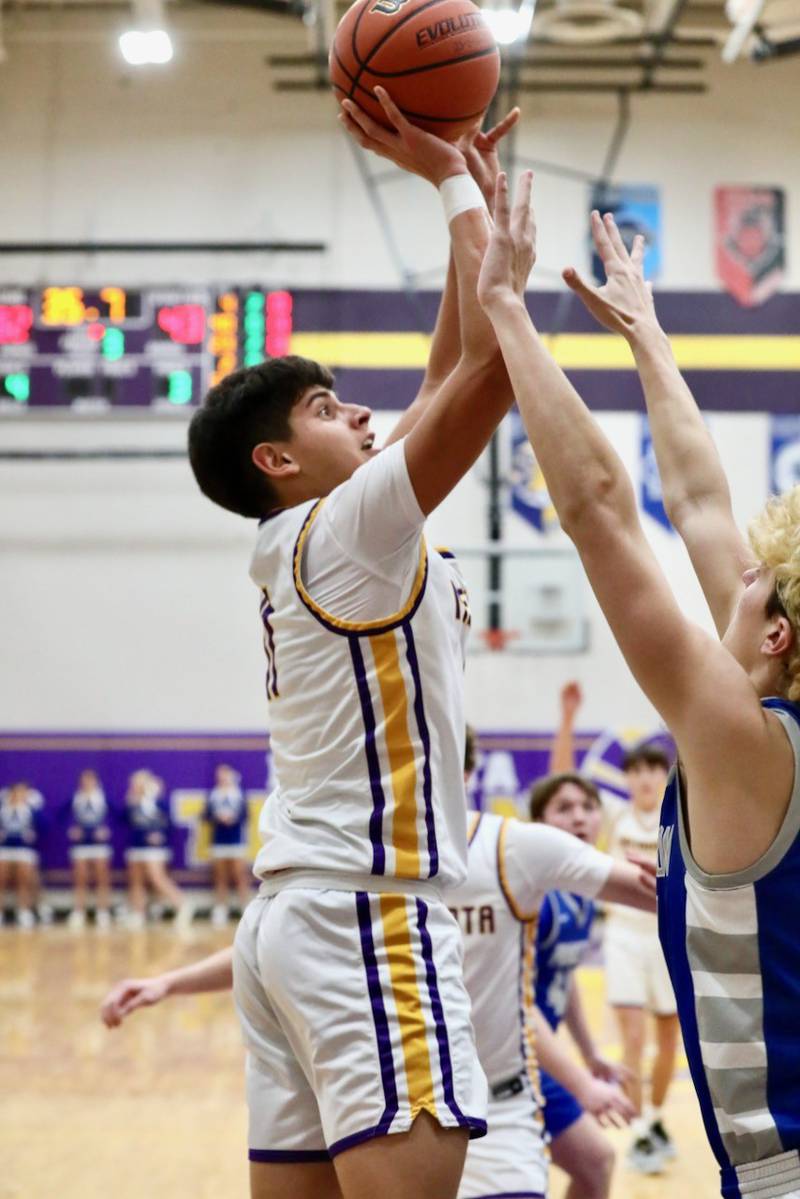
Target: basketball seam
point(422, 116)
point(433, 66)
point(389, 33)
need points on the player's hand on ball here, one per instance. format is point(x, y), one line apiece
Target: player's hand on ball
point(480, 152)
point(128, 995)
point(624, 304)
point(404, 144)
point(511, 252)
point(607, 1102)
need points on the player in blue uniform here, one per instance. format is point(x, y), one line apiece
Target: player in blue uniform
point(729, 841)
point(578, 1147)
point(20, 829)
point(89, 834)
point(226, 812)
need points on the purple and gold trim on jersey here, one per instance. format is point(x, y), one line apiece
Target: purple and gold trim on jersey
point(348, 627)
point(411, 1034)
point(267, 612)
point(397, 745)
point(527, 1003)
point(502, 876)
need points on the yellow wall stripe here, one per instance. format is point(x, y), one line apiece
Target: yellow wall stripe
point(574, 351)
point(400, 753)
point(411, 1017)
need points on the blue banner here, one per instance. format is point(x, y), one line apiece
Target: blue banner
point(784, 470)
point(636, 209)
point(650, 493)
point(529, 496)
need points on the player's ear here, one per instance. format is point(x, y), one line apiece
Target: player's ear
point(272, 458)
point(780, 637)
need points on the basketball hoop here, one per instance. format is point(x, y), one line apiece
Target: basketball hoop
point(498, 639)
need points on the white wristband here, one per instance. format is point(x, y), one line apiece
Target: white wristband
point(460, 193)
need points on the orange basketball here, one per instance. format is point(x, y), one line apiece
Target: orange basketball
point(437, 59)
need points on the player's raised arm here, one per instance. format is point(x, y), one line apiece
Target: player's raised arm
point(458, 422)
point(696, 493)
point(738, 758)
point(562, 754)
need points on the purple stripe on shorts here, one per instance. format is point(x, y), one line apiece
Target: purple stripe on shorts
point(445, 1063)
point(288, 1155)
point(380, 1021)
point(422, 725)
point(373, 765)
point(513, 1195)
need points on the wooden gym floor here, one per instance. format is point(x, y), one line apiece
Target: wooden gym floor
point(156, 1108)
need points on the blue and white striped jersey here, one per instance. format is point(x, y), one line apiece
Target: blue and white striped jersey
point(733, 952)
point(565, 925)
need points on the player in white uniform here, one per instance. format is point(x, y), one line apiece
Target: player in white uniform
point(637, 979)
point(347, 967)
point(511, 865)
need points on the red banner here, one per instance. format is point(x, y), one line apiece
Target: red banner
point(750, 241)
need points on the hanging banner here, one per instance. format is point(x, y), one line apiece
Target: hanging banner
point(529, 497)
point(636, 209)
point(750, 241)
point(784, 453)
point(651, 496)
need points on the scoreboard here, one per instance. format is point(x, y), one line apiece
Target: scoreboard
point(114, 348)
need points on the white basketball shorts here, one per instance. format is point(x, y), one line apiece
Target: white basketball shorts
point(636, 972)
point(355, 1018)
point(512, 1158)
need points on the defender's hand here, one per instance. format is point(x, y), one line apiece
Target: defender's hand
point(480, 152)
point(404, 144)
point(607, 1102)
point(571, 699)
point(624, 304)
point(130, 994)
point(511, 252)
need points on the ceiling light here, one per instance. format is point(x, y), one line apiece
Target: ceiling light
point(148, 41)
point(509, 24)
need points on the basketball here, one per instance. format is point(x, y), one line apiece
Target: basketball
point(438, 61)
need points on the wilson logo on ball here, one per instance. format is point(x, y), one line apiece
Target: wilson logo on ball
point(388, 7)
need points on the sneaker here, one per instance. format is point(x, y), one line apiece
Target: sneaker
point(45, 913)
point(76, 919)
point(184, 916)
point(102, 919)
point(663, 1141)
point(134, 921)
point(25, 918)
point(219, 915)
point(644, 1156)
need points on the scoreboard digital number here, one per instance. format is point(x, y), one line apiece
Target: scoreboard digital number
point(156, 348)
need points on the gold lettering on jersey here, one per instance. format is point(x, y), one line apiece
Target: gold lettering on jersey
point(477, 920)
point(664, 850)
point(388, 7)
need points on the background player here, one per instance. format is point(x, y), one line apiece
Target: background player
point(89, 836)
point(226, 812)
point(729, 841)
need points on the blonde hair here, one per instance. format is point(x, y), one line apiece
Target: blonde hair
point(775, 539)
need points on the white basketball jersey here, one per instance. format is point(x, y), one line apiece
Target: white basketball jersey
point(366, 719)
point(511, 867)
point(636, 832)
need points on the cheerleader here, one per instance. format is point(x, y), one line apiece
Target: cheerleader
point(148, 849)
point(20, 828)
point(226, 812)
point(89, 834)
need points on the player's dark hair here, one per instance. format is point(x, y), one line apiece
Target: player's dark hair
point(249, 406)
point(544, 789)
point(649, 755)
point(469, 750)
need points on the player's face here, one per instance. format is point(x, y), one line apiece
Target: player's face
point(330, 440)
point(646, 782)
point(572, 810)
